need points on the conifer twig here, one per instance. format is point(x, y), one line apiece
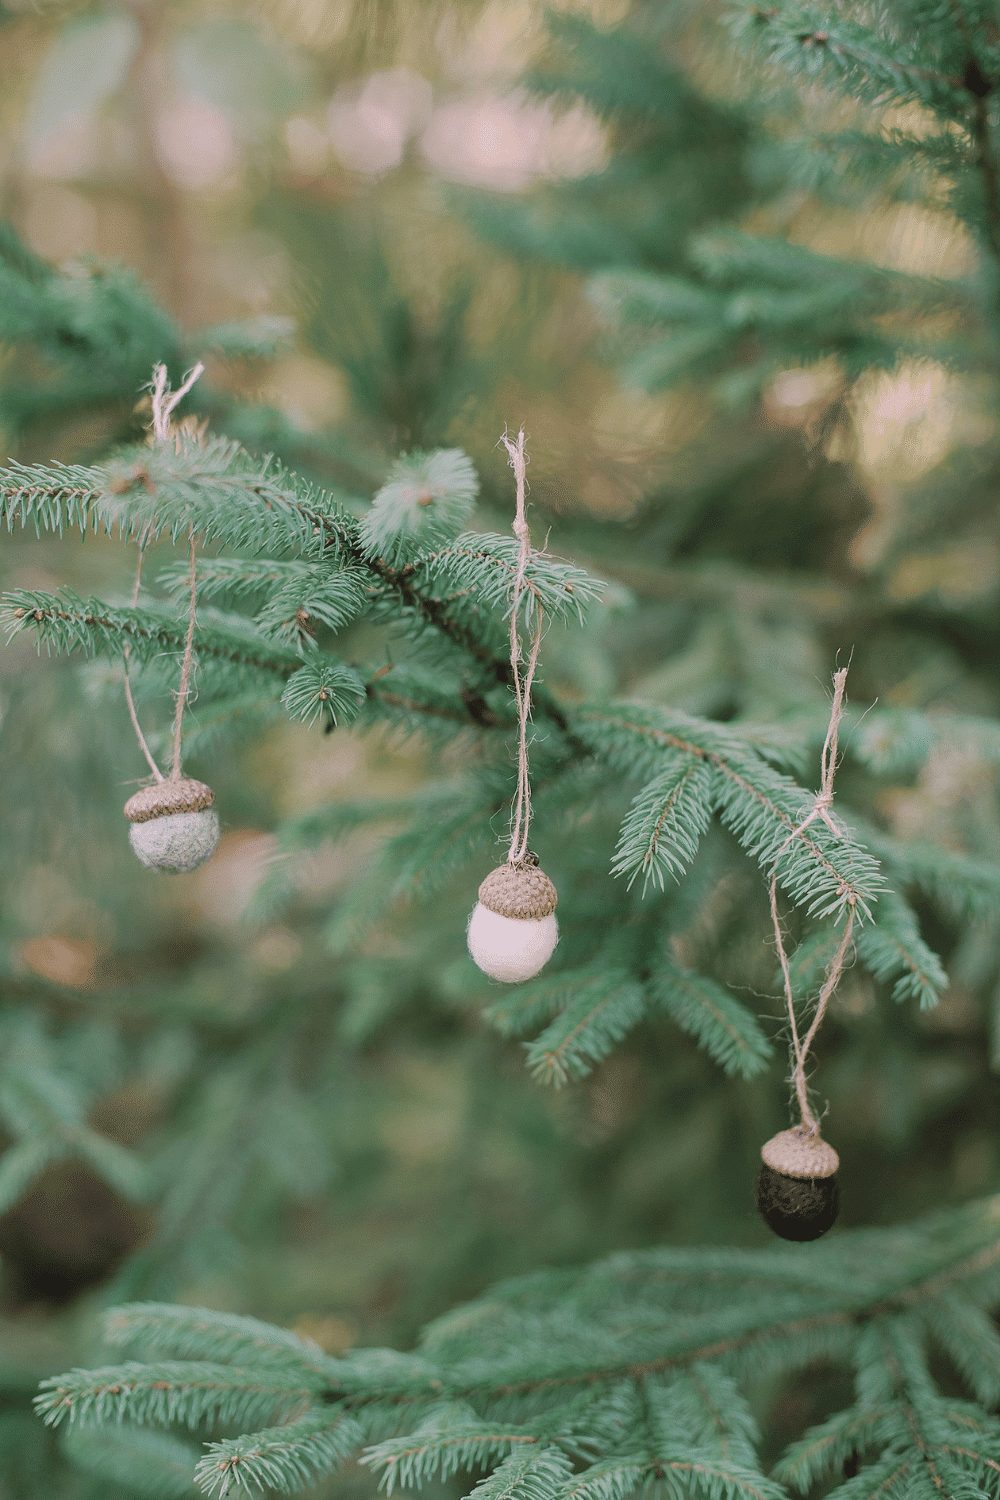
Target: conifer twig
point(522, 689)
point(820, 809)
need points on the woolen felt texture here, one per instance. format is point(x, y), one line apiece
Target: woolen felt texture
point(181, 796)
point(797, 1208)
point(511, 948)
point(520, 891)
point(176, 842)
point(797, 1153)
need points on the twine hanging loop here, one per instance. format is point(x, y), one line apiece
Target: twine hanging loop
point(821, 809)
point(163, 401)
point(521, 811)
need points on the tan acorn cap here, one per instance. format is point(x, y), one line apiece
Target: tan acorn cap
point(519, 891)
point(163, 797)
point(796, 1153)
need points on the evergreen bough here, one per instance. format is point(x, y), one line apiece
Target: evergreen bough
point(628, 1374)
point(594, 1383)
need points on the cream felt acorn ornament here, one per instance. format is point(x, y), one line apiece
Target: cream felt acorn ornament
point(173, 825)
point(513, 931)
point(797, 1192)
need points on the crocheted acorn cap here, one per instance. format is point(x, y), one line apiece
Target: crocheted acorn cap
point(521, 891)
point(795, 1153)
point(165, 797)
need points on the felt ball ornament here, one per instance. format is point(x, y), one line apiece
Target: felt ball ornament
point(173, 825)
point(797, 1190)
point(513, 930)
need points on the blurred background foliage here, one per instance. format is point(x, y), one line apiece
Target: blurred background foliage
point(424, 210)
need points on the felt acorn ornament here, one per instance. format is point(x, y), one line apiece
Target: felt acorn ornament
point(513, 929)
point(797, 1192)
point(513, 932)
point(173, 826)
point(798, 1195)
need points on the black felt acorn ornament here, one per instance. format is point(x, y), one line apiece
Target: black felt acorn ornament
point(512, 932)
point(173, 825)
point(797, 1192)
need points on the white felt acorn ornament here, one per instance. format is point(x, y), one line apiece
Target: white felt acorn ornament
point(513, 931)
point(797, 1192)
point(173, 825)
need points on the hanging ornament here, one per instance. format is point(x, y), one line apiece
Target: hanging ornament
point(513, 931)
point(174, 827)
point(797, 1192)
point(173, 824)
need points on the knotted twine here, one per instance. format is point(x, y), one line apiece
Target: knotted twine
point(163, 401)
point(521, 810)
point(820, 809)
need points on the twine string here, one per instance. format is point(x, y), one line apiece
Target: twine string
point(820, 810)
point(521, 811)
point(128, 686)
point(164, 400)
point(185, 682)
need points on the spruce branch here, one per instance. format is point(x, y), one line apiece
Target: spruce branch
point(426, 500)
point(660, 836)
point(152, 1465)
point(966, 887)
point(285, 1458)
point(163, 1329)
point(324, 689)
point(54, 497)
point(891, 948)
point(451, 1438)
point(183, 1392)
point(803, 38)
point(727, 1030)
point(676, 1326)
point(968, 1335)
point(982, 137)
point(221, 493)
point(979, 87)
point(64, 622)
point(821, 1452)
point(535, 1003)
point(484, 566)
point(601, 1010)
point(526, 1475)
point(822, 872)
